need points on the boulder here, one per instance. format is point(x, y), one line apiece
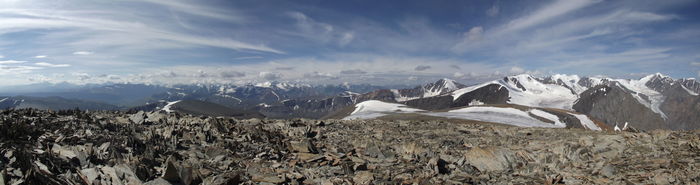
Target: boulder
point(158, 181)
point(224, 179)
point(363, 177)
point(171, 173)
point(138, 118)
point(488, 159)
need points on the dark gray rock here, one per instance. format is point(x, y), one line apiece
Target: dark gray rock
point(614, 104)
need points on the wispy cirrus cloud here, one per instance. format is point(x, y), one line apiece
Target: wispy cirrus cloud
point(219, 41)
point(46, 64)
point(195, 8)
point(12, 62)
point(113, 23)
point(82, 53)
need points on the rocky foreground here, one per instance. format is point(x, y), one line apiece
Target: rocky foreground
point(74, 147)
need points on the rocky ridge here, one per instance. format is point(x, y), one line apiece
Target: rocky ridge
point(77, 147)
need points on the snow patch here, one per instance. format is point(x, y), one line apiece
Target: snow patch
point(400, 98)
point(655, 99)
point(167, 107)
point(373, 109)
point(278, 96)
point(570, 81)
point(459, 92)
point(509, 116)
point(686, 89)
point(475, 102)
point(264, 84)
point(232, 97)
point(538, 94)
point(586, 122)
point(549, 116)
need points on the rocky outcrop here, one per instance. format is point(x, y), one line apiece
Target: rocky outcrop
point(490, 94)
point(682, 108)
point(431, 103)
point(314, 108)
point(613, 105)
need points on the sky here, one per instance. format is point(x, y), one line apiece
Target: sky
point(355, 41)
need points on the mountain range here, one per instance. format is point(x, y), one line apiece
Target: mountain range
point(652, 102)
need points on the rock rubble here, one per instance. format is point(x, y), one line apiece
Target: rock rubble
point(77, 147)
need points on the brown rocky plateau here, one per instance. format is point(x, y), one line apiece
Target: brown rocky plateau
point(78, 147)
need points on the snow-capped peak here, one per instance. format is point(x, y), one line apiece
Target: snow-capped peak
point(656, 77)
point(280, 85)
point(567, 79)
point(530, 91)
point(448, 83)
point(441, 86)
point(267, 84)
point(650, 98)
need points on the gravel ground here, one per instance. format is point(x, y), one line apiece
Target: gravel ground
point(75, 147)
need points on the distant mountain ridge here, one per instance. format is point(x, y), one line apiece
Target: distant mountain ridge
point(653, 102)
point(52, 103)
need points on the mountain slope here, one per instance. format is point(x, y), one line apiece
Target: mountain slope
point(197, 107)
point(318, 108)
point(652, 102)
point(52, 103)
point(439, 87)
point(613, 104)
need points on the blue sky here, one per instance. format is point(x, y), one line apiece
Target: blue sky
point(361, 41)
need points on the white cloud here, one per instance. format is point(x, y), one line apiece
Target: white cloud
point(152, 33)
point(493, 11)
point(82, 76)
point(318, 31)
point(474, 33)
point(2, 56)
point(14, 70)
point(638, 56)
point(499, 35)
point(353, 72)
point(82, 53)
point(231, 74)
point(422, 67)
point(46, 64)
point(39, 78)
point(516, 70)
point(319, 75)
point(11, 62)
point(458, 75)
point(194, 8)
point(547, 13)
point(270, 75)
point(695, 63)
point(248, 58)
point(357, 69)
point(307, 25)
point(40, 56)
point(346, 38)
